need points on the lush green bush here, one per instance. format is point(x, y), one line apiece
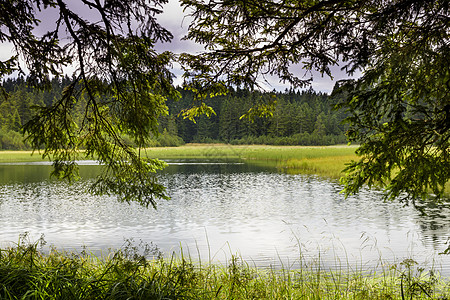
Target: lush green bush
point(206, 140)
point(12, 140)
point(166, 139)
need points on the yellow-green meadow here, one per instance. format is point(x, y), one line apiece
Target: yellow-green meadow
point(326, 161)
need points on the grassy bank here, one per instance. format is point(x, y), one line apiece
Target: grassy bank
point(26, 273)
point(19, 156)
point(259, 152)
point(325, 161)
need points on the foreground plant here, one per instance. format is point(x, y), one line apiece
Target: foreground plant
point(141, 272)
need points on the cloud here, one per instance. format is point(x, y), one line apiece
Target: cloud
point(6, 51)
point(177, 21)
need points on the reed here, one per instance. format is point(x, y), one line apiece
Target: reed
point(329, 166)
point(217, 151)
point(250, 152)
point(326, 161)
point(143, 273)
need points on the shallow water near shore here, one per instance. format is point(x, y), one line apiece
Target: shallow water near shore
point(220, 208)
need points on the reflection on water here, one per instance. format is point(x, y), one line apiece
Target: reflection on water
point(219, 209)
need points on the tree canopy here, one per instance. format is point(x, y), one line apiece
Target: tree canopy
point(399, 108)
point(123, 81)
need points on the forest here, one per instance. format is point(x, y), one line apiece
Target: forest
point(298, 117)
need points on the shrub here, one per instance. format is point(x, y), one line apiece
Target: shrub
point(12, 140)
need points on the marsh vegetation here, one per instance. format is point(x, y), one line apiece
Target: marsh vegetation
point(140, 272)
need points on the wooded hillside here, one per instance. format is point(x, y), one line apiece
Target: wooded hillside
point(299, 118)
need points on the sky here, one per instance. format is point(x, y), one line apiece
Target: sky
point(177, 21)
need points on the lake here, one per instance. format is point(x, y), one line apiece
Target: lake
point(221, 208)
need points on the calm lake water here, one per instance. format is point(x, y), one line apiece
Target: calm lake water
point(223, 208)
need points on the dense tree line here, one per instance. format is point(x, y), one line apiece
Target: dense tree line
point(20, 102)
point(298, 118)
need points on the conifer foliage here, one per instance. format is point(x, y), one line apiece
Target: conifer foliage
point(117, 72)
point(399, 108)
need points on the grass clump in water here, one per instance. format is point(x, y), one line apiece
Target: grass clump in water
point(142, 273)
point(327, 166)
point(326, 161)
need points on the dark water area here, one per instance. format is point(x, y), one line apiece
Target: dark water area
point(222, 208)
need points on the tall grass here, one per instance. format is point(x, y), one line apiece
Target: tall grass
point(326, 161)
point(219, 151)
point(328, 166)
point(19, 156)
point(142, 273)
point(250, 152)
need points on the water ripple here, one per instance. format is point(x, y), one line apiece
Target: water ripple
point(222, 209)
